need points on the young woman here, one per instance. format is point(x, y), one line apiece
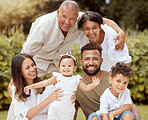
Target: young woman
point(34, 103)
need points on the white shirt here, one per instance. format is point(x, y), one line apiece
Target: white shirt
point(108, 102)
point(109, 54)
point(21, 108)
point(46, 41)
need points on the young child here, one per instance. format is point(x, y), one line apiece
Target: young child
point(115, 102)
point(64, 109)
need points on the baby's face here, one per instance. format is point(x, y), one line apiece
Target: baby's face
point(67, 67)
point(119, 83)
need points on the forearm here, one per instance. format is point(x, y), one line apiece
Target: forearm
point(87, 87)
point(136, 112)
point(37, 109)
point(112, 24)
point(104, 116)
point(126, 107)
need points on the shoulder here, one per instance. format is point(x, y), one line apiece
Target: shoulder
point(108, 29)
point(106, 74)
point(46, 20)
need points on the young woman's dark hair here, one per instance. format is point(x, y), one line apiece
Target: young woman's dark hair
point(18, 79)
point(91, 16)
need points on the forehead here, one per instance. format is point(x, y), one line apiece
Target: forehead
point(27, 61)
point(121, 77)
point(90, 53)
point(89, 23)
point(68, 12)
point(67, 61)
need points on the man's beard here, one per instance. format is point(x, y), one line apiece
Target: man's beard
point(91, 72)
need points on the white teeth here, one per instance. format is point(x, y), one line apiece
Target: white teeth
point(91, 68)
point(91, 35)
point(66, 25)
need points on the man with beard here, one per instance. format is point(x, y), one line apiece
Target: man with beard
point(90, 101)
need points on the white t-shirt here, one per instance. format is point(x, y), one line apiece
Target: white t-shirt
point(108, 102)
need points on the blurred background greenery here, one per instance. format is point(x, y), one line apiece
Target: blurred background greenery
point(16, 17)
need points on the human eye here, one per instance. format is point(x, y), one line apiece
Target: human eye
point(118, 81)
point(27, 67)
point(63, 65)
point(64, 16)
point(125, 83)
point(69, 65)
point(94, 28)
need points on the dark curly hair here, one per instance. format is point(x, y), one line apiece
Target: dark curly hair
point(121, 68)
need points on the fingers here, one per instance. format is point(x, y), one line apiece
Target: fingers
point(119, 46)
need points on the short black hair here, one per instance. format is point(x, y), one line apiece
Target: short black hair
point(91, 16)
point(91, 46)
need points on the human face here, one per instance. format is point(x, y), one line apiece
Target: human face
point(119, 84)
point(67, 67)
point(91, 61)
point(29, 70)
point(91, 30)
point(66, 18)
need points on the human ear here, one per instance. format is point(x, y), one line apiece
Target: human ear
point(101, 61)
point(58, 13)
point(110, 79)
point(75, 68)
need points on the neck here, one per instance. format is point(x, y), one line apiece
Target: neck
point(64, 33)
point(99, 75)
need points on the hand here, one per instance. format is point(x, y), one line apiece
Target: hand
point(27, 88)
point(96, 80)
point(55, 95)
point(121, 40)
point(111, 116)
point(9, 88)
point(73, 97)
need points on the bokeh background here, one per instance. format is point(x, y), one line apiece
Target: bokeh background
point(16, 17)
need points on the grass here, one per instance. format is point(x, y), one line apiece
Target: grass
point(143, 109)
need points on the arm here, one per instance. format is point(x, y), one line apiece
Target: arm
point(120, 36)
point(96, 81)
point(136, 112)
point(126, 107)
point(37, 109)
point(76, 108)
point(44, 83)
point(9, 87)
point(104, 116)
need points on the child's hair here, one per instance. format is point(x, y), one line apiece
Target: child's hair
point(67, 55)
point(121, 68)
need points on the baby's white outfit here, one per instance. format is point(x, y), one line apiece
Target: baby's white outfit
point(64, 109)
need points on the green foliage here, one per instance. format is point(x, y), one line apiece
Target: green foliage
point(138, 49)
point(16, 12)
point(10, 45)
point(129, 13)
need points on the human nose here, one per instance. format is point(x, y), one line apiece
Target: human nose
point(67, 21)
point(90, 61)
point(90, 31)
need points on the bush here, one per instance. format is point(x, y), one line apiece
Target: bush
point(138, 49)
point(16, 12)
point(11, 44)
